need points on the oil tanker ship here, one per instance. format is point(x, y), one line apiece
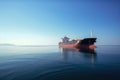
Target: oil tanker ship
point(86, 43)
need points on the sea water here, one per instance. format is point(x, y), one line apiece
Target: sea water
point(54, 63)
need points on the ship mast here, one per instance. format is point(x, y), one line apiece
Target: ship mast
point(91, 33)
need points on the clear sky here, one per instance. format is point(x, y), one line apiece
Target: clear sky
point(44, 22)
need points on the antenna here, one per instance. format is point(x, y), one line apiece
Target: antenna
point(91, 33)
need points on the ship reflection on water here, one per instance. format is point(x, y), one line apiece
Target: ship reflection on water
point(84, 54)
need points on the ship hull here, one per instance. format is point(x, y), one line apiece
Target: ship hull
point(85, 43)
point(68, 45)
point(77, 46)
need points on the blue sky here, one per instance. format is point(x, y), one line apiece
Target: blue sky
point(44, 22)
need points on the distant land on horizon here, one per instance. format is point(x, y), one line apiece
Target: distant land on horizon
point(7, 44)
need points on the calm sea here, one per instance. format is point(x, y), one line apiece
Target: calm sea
point(54, 63)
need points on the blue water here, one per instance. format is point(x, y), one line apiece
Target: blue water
point(53, 63)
